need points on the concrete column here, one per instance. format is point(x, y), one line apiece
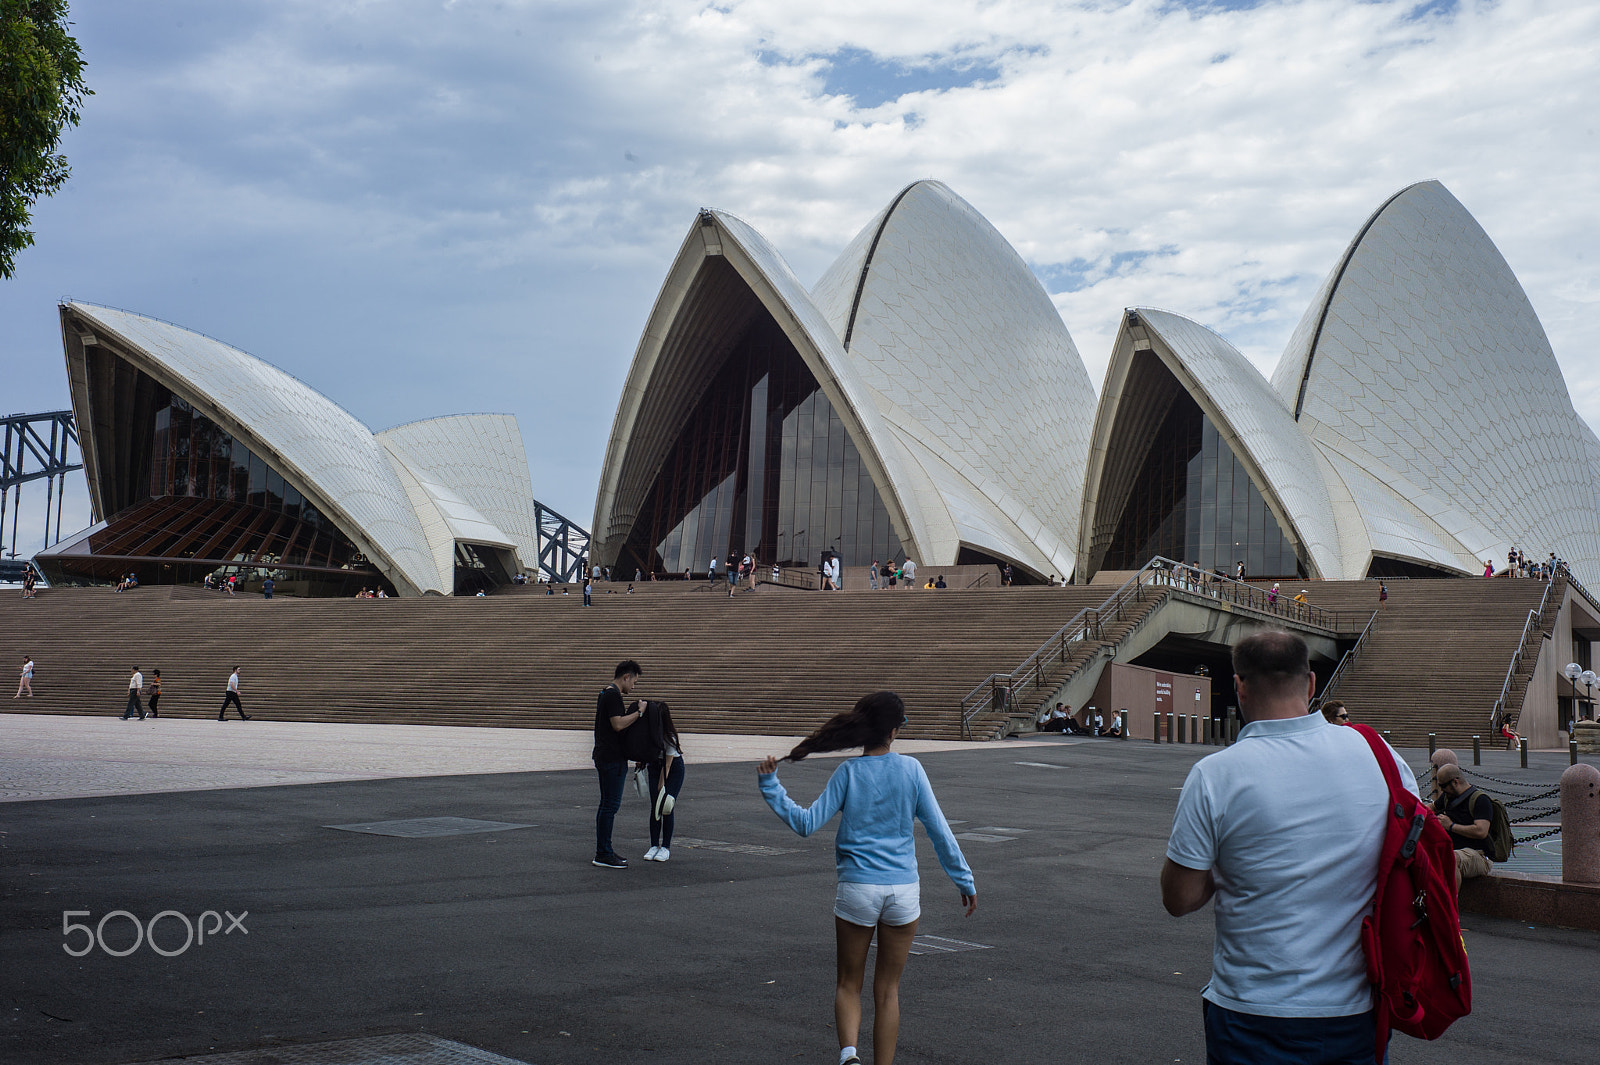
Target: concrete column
point(1580, 824)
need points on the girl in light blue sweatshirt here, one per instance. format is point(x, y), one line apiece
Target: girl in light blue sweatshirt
point(880, 795)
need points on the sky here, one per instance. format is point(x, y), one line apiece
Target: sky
point(428, 207)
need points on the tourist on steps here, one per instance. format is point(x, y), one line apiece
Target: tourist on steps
point(879, 794)
point(25, 684)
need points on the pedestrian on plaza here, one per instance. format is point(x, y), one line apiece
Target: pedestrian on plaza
point(1238, 573)
point(735, 570)
point(588, 593)
point(909, 573)
point(232, 696)
point(873, 581)
point(25, 682)
point(711, 571)
point(1335, 712)
point(878, 795)
point(1467, 814)
point(135, 687)
point(1383, 595)
point(1284, 828)
point(28, 578)
point(266, 588)
point(666, 777)
point(610, 757)
point(155, 692)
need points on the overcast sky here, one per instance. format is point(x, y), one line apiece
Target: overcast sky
point(424, 207)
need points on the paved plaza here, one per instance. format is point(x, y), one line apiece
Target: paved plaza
point(501, 936)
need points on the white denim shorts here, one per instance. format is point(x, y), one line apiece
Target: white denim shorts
point(869, 905)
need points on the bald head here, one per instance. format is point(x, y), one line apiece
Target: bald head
point(1447, 774)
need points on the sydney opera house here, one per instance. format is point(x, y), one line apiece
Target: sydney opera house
point(924, 399)
point(202, 459)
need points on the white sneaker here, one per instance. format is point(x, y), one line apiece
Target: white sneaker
point(662, 854)
point(650, 855)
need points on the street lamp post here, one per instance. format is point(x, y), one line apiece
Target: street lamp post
point(1587, 677)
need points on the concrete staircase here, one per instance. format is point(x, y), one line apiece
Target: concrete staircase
point(1438, 657)
point(775, 662)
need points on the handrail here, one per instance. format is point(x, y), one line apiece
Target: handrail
point(1351, 655)
point(1175, 576)
point(1535, 618)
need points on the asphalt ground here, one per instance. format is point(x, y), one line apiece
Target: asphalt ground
point(510, 941)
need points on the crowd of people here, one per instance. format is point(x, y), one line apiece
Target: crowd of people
point(1518, 564)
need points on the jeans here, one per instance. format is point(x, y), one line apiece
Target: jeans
point(1251, 1039)
point(613, 775)
point(661, 831)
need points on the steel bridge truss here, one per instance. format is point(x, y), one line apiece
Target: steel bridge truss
point(563, 546)
point(37, 447)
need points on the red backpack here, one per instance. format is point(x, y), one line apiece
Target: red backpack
point(1416, 958)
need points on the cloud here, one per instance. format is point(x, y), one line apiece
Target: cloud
point(422, 207)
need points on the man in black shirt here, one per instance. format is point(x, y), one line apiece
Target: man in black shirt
point(1466, 813)
point(610, 718)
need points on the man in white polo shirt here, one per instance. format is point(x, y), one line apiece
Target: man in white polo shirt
point(1283, 829)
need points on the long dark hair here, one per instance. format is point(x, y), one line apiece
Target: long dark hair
point(867, 724)
point(665, 730)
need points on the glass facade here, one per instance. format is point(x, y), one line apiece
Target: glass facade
point(201, 503)
point(763, 465)
point(1193, 500)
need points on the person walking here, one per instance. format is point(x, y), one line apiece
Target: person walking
point(1284, 829)
point(872, 577)
point(666, 777)
point(588, 593)
point(266, 588)
point(611, 717)
point(711, 572)
point(25, 682)
point(878, 795)
point(1383, 595)
point(135, 687)
point(232, 696)
point(155, 692)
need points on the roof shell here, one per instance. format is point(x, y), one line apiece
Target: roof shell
point(324, 451)
point(968, 362)
point(1247, 413)
point(1422, 360)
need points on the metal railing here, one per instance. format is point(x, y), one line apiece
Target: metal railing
point(1350, 656)
point(1534, 625)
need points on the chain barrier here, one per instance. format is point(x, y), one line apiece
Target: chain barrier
point(1540, 835)
point(1537, 815)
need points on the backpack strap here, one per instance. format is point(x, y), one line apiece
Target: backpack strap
point(1402, 802)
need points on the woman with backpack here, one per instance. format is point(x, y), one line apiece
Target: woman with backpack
point(877, 795)
point(665, 767)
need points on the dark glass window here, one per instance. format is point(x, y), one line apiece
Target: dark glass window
point(1193, 500)
point(763, 465)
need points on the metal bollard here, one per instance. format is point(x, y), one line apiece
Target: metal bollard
point(1155, 733)
point(1387, 739)
point(1572, 752)
point(1433, 744)
point(1122, 722)
point(1477, 755)
point(1522, 746)
point(1171, 729)
point(1194, 728)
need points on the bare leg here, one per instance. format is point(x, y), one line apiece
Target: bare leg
point(894, 944)
point(853, 941)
